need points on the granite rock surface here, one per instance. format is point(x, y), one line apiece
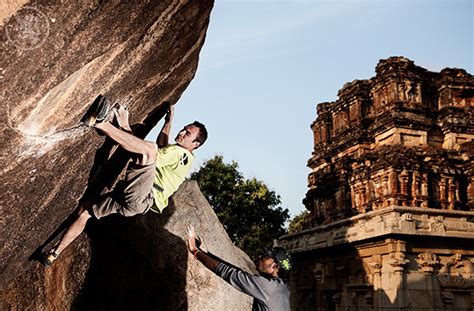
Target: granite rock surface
point(55, 59)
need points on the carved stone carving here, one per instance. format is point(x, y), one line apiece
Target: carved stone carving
point(402, 92)
point(407, 223)
point(407, 217)
point(458, 266)
point(376, 267)
point(369, 297)
point(311, 180)
point(447, 297)
point(336, 298)
point(318, 272)
point(398, 261)
point(437, 224)
point(427, 262)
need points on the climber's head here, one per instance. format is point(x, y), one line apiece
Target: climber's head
point(192, 136)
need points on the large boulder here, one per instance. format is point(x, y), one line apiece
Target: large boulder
point(56, 57)
point(139, 263)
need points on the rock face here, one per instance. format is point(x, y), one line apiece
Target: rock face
point(138, 263)
point(55, 59)
point(390, 195)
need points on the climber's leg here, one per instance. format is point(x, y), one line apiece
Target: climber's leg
point(146, 150)
point(76, 228)
point(72, 232)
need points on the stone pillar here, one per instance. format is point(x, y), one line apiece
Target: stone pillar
point(316, 136)
point(385, 190)
point(336, 299)
point(418, 96)
point(386, 94)
point(393, 186)
point(416, 188)
point(353, 197)
point(442, 191)
point(427, 262)
point(402, 92)
point(393, 91)
point(363, 197)
point(379, 196)
point(470, 194)
point(356, 197)
point(457, 192)
point(398, 263)
point(325, 132)
point(376, 267)
point(319, 279)
point(447, 297)
point(451, 193)
point(403, 179)
point(424, 190)
point(369, 186)
point(342, 199)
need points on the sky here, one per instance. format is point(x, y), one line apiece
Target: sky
point(265, 65)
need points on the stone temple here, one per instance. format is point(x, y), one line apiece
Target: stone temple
point(391, 195)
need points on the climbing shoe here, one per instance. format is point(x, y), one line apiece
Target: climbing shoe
point(98, 112)
point(47, 258)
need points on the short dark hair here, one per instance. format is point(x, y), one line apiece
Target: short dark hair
point(202, 135)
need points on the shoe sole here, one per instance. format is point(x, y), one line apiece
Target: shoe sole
point(48, 260)
point(97, 112)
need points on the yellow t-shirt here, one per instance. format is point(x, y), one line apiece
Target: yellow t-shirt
point(173, 164)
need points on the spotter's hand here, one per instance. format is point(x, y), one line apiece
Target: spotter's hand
point(193, 240)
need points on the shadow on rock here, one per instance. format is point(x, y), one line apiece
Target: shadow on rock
point(136, 264)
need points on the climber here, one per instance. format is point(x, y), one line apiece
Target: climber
point(268, 289)
point(155, 173)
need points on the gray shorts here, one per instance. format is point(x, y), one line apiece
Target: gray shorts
point(132, 196)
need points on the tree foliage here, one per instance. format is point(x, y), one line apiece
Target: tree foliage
point(300, 222)
point(249, 211)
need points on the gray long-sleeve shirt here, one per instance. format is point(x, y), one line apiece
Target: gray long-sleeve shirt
point(268, 293)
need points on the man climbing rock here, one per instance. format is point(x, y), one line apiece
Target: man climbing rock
point(155, 173)
point(268, 289)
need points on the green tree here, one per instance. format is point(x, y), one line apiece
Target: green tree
point(300, 222)
point(249, 211)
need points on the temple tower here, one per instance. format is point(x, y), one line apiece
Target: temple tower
point(391, 195)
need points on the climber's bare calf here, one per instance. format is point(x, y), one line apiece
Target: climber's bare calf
point(76, 228)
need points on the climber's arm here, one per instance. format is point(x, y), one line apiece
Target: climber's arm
point(163, 137)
